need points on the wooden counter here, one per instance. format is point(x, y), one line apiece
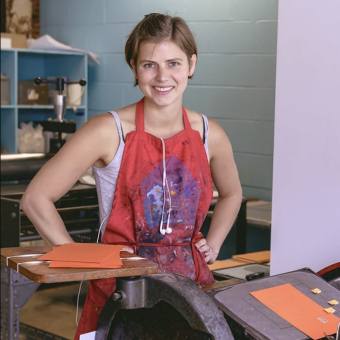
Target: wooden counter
point(259, 213)
point(24, 261)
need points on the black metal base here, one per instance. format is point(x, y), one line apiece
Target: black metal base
point(161, 322)
point(161, 306)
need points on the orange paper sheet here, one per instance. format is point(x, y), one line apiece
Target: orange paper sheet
point(225, 264)
point(299, 310)
point(111, 262)
point(81, 252)
point(257, 257)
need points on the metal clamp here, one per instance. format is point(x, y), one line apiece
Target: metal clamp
point(23, 255)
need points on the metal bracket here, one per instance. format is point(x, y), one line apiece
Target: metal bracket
point(16, 289)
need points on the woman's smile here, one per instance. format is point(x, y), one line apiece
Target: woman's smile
point(163, 90)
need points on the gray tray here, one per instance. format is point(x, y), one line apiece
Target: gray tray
point(250, 319)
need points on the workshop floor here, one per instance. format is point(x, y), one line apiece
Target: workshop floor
point(53, 310)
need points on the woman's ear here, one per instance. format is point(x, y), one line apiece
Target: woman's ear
point(133, 66)
point(192, 65)
point(134, 69)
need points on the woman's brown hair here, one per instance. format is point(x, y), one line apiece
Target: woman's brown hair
point(158, 27)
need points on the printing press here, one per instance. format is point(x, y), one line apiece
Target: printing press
point(145, 305)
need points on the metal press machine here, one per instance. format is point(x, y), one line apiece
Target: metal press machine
point(55, 128)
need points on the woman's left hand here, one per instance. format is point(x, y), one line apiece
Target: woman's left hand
point(209, 253)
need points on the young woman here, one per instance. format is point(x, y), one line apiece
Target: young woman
point(154, 162)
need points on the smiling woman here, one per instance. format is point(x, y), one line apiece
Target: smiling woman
point(162, 70)
point(154, 162)
point(157, 28)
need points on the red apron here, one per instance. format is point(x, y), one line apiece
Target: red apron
point(142, 187)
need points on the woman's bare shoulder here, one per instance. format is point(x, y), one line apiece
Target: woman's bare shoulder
point(102, 124)
point(106, 122)
point(196, 120)
point(127, 113)
point(216, 130)
point(102, 131)
point(127, 116)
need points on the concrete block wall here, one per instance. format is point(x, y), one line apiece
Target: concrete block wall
point(234, 81)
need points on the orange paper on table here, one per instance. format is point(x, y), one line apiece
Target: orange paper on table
point(220, 264)
point(257, 257)
point(299, 310)
point(81, 252)
point(111, 262)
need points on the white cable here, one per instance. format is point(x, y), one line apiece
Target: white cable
point(81, 282)
point(168, 230)
point(101, 225)
point(78, 303)
point(161, 230)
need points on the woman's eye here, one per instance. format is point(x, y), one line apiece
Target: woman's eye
point(148, 65)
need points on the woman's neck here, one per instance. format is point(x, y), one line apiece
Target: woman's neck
point(163, 121)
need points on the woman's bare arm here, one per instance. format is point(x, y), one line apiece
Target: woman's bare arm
point(96, 141)
point(226, 180)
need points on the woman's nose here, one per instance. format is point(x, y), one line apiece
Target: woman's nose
point(162, 74)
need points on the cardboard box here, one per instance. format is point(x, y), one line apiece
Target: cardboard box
point(31, 94)
point(17, 40)
point(5, 90)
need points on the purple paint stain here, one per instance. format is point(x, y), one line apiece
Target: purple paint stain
point(184, 190)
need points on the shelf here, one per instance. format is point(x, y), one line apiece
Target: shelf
point(44, 107)
point(57, 52)
point(24, 64)
point(38, 107)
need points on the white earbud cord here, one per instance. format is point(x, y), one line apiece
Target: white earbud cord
point(81, 282)
point(168, 230)
point(100, 228)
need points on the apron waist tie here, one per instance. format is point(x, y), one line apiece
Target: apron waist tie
point(195, 239)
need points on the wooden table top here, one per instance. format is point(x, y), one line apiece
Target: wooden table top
point(24, 261)
point(259, 213)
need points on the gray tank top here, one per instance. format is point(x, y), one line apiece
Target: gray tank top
point(106, 178)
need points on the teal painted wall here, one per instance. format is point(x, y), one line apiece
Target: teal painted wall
point(234, 81)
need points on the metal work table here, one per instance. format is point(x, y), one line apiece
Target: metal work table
point(21, 276)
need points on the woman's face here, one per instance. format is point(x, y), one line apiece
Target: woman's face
point(162, 70)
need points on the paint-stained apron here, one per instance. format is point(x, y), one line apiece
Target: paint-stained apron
point(138, 207)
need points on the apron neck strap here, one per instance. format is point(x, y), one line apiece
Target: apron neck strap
point(140, 117)
point(187, 125)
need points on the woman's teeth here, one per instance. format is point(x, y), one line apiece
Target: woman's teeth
point(163, 89)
